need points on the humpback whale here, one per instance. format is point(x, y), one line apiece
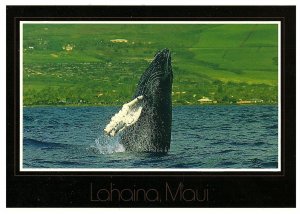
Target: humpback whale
point(145, 122)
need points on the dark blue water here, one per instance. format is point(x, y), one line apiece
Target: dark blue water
point(202, 137)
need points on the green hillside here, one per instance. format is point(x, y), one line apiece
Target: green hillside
point(84, 64)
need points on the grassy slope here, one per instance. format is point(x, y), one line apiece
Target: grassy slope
point(218, 61)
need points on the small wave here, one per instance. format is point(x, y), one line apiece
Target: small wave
point(225, 151)
point(37, 143)
point(226, 164)
point(28, 118)
point(275, 126)
point(259, 143)
point(179, 165)
point(273, 164)
point(106, 145)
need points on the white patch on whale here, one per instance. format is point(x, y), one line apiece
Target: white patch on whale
point(127, 116)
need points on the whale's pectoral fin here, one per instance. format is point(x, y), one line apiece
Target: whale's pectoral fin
point(127, 116)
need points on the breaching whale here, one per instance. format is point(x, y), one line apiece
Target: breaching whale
point(145, 121)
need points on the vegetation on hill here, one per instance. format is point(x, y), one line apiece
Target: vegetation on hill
point(100, 64)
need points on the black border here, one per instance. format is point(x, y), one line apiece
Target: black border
point(227, 189)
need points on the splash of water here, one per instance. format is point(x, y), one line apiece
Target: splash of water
point(106, 145)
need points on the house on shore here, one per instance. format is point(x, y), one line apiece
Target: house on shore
point(251, 101)
point(119, 40)
point(244, 102)
point(206, 100)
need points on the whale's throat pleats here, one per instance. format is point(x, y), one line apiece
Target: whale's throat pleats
point(127, 116)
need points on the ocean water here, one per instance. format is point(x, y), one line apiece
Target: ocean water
point(203, 137)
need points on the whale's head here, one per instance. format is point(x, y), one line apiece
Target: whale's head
point(156, 82)
point(161, 65)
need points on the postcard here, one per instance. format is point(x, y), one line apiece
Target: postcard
point(167, 111)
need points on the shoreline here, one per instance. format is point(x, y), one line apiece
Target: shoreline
point(68, 106)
